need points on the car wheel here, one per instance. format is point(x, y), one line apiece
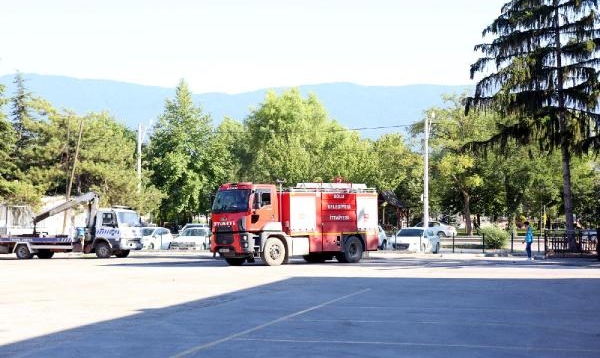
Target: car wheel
point(441, 234)
point(103, 250)
point(151, 246)
point(23, 253)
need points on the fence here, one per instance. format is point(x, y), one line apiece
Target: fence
point(550, 243)
point(478, 244)
point(571, 243)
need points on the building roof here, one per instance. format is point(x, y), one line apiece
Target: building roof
point(391, 198)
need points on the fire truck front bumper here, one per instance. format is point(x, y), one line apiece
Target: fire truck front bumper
point(226, 247)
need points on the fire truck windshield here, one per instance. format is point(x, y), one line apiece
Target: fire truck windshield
point(231, 201)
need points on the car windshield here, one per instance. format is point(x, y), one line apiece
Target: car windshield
point(129, 218)
point(147, 231)
point(231, 201)
point(195, 232)
point(410, 232)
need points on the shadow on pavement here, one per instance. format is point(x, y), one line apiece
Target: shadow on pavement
point(351, 317)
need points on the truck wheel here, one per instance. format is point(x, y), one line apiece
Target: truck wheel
point(45, 254)
point(122, 253)
point(23, 253)
point(235, 261)
point(103, 250)
point(353, 251)
point(273, 253)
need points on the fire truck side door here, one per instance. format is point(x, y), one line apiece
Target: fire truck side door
point(262, 208)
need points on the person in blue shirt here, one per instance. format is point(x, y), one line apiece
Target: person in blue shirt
point(528, 239)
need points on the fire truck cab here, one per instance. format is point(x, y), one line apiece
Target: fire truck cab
point(318, 221)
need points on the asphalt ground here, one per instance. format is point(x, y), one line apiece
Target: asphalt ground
point(389, 305)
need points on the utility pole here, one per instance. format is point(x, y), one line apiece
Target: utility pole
point(141, 133)
point(426, 172)
point(139, 157)
point(72, 177)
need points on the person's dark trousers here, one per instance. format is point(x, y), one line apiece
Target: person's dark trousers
point(528, 249)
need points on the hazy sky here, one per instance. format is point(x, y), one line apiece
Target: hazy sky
point(236, 46)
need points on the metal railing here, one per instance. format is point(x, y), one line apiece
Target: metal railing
point(571, 243)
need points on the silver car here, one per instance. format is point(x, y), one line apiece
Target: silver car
point(194, 238)
point(441, 229)
point(416, 239)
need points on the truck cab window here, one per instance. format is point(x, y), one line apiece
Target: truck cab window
point(265, 198)
point(108, 219)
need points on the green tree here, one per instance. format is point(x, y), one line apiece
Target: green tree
point(20, 112)
point(230, 144)
point(546, 75)
point(293, 139)
point(180, 159)
point(457, 174)
point(395, 162)
point(7, 145)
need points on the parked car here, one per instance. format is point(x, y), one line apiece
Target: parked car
point(383, 240)
point(416, 239)
point(158, 238)
point(189, 225)
point(441, 229)
point(192, 238)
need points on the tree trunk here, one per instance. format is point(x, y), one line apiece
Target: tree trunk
point(562, 124)
point(467, 212)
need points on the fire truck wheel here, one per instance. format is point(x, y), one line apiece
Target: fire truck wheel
point(45, 254)
point(273, 253)
point(235, 261)
point(103, 251)
point(353, 250)
point(23, 253)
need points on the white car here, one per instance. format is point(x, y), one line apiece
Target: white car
point(383, 240)
point(194, 225)
point(416, 239)
point(441, 229)
point(156, 238)
point(192, 238)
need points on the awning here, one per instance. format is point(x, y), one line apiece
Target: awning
point(391, 198)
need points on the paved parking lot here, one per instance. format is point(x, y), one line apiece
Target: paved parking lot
point(389, 305)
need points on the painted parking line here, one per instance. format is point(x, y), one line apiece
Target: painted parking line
point(267, 324)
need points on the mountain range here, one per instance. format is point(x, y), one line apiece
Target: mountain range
point(374, 110)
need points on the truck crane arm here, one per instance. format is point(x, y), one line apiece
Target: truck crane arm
point(90, 198)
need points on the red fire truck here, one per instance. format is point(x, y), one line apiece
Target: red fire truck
point(318, 221)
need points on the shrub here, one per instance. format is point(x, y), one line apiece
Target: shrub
point(495, 237)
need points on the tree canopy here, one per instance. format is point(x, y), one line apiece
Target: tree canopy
point(543, 60)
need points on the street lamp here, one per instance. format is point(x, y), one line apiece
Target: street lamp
point(140, 138)
point(426, 172)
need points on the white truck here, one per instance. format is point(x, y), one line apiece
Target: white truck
point(108, 231)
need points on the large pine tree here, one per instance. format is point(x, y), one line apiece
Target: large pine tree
point(541, 68)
